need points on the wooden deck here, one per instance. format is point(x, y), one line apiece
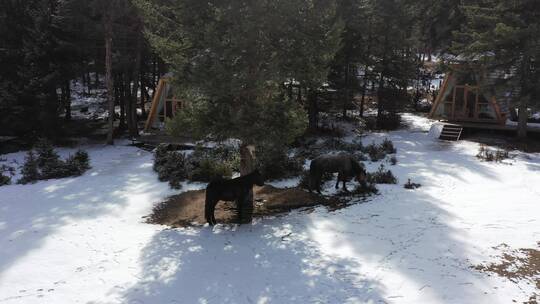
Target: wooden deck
point(157, 138)
point(489, 127)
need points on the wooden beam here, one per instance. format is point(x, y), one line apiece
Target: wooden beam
point(155, 102)
point(439, 96)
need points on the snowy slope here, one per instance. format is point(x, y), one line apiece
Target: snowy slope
point(82, 240)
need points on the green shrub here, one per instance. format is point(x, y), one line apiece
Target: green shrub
point(202, 165)
point(341, 145)
point(388, 146)
point(160, 156)
point(4, 179)
point(375, 152)
point(45, 153)
point(77, 163)
point(365, 189)
point(393, 160)
point(30, 171)
point(382, 176)
point(6, 173)
point(388, 121)
point(410, 185)
point(171, 167)
point(379, 152)
point(276, 164)
point(209, 169)
point(45, 163)
point(492, 156)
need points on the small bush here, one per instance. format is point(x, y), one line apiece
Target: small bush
point(30, 172)
point(49, 162)
point(388, 121)
point(160, 156)
point(411, 186)
point(382, 176)
point(6, 173)
point(393, 160)
point(4, 180)
point(497, 156)
point(388, 146)
point(45, 163)
point(171, 167)
point(209, 169)
point(379, 152)
point(370, 123)
point(201, 165)
point(337, 144)
point(277, 164)
point(375, 152)
point(78, 163)
point(365, 189)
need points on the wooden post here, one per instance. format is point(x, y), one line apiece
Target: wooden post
point(155, 103)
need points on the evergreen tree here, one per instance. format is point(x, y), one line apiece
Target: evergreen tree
point(392, 55)
point(29, 171)
point(231, 60)
point(504, 37)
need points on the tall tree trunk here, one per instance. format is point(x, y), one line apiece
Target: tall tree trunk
point(313, 111)
point(523, 114)
point(133, 130)
point(346, 99)
point(108, 76)
point(67, 99)
point(123, 93)
point(143, 94)
point(247, 166)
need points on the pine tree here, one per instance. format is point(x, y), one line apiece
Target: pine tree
point(29, 171)
point(504, 37)
point(231, 60)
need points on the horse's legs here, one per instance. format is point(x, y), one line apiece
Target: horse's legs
point(318, 182)
point(239, 203)
point(343, 177)
point(209, 207)
point(344, 185)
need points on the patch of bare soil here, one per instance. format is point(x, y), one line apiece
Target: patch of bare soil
point(517, 265)
point(187, 209)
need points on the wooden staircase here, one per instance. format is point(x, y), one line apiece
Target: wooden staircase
point(451, 132)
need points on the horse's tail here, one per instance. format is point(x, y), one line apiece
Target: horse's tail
point(209, 205)
point(312, 175)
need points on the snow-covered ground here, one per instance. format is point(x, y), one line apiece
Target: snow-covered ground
point(83, 240)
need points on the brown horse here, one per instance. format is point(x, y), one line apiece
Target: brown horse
point(344, 164)
point(236, 189)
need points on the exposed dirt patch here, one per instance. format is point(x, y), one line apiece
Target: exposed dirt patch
point(187, 209)
point(517, 265)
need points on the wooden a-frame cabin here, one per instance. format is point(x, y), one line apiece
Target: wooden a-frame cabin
point(466, 96)
point(165, 104)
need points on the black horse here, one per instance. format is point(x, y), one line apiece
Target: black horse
point(236, 189)
point(344, 164)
